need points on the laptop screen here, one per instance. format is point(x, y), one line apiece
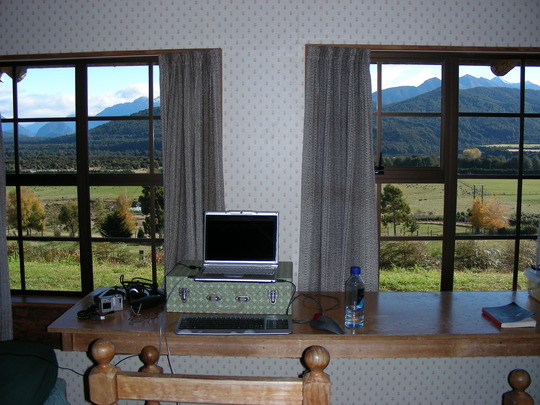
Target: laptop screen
point(250, 237)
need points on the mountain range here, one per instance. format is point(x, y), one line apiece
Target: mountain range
point(403, 135)
point(56, 129)
point(396, 94)
point(389, 96)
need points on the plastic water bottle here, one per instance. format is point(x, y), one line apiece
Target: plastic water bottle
point(354, 299)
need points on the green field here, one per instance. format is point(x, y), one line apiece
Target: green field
point(428, 198)
point(65, 193)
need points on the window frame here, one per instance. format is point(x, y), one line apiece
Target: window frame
point(83, 179)
point(447, 174)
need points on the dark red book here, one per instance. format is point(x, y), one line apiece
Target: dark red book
point(510, 316)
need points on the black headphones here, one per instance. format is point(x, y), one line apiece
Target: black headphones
point(142, 293)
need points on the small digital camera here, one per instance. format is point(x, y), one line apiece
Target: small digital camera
point(110, 300)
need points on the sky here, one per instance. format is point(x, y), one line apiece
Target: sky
point(55, 90)
point(415, 75)
point(50, 92)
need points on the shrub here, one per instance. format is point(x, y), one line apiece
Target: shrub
point(469, 256)
point(406, 254)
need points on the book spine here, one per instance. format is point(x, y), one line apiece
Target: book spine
point(491, 317)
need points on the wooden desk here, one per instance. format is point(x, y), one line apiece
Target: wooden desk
point(398, 325)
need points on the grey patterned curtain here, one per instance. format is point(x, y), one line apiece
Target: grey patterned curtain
point(190, 92)
point(339, 215)
point(6, 321)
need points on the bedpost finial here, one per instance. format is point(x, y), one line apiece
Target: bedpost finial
point(316, 358)
point(103, 352)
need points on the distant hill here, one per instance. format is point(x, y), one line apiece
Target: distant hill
point(415, 135)
point(119, 140)
point(55, 129)
point(400, 93)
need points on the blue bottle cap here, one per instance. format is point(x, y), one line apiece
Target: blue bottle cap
point(355, 270)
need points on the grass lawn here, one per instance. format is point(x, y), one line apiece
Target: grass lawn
point(66, 277)
point(399, 279)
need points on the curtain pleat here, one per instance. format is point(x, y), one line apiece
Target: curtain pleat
point(6, 321)
point(338, 208)
point(190, 92)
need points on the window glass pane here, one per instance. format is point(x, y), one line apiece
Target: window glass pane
point(116, 211)
point(14, 265)
point(532, 89)
point(488, 145)
point(112, 260)
point(52, 266)
point(51, 150)
point(32, 212)
point(527, 258)
point(410, 265)
point(144, 229)
point(47, 92)
point(373, 74)
point(484, 265)
point(411, 88)
point(9, 150)
point(119, 146)
point(11, 211)
point(482, 92)
point(6, 97)
point(530, 203)
point(156, 88)
point(49, 211)
point(411, 141)
point(158, 147)
point(117, 90)
point(486, 207)
point(412, 209)
point(531, 153)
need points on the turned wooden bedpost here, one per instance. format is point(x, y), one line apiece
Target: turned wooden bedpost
point(519, 380)
point(150, 356)
point(316, 381)
point(103, 376)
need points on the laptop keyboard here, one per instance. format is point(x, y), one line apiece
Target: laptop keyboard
point(223, 324)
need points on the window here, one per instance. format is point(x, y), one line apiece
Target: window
point(459, 186)
point(82, 142)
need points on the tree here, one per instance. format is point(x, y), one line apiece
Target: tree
point(159, 203)
point(120, 222)
point(487, 215)
point(473, 153)
point(69, 217)
point(411, 225)
point(394, 208)
point(32, 211)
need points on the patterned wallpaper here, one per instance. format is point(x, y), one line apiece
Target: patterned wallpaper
point(263, 43)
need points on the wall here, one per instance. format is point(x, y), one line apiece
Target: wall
point(263, 45)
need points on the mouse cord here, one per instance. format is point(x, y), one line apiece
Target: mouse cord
point(314, 298)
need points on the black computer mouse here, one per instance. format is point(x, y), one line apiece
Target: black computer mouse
point(323, 322)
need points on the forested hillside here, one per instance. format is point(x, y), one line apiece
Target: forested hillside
point(122, 145)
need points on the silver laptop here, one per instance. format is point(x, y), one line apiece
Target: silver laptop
point(240, 246)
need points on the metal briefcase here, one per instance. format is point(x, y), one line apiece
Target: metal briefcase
point(187, 295)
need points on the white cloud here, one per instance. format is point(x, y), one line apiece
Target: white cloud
point(98, 102)
point(46, 105)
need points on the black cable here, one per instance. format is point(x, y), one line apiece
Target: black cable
point(44, 360)
point(314, 298)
